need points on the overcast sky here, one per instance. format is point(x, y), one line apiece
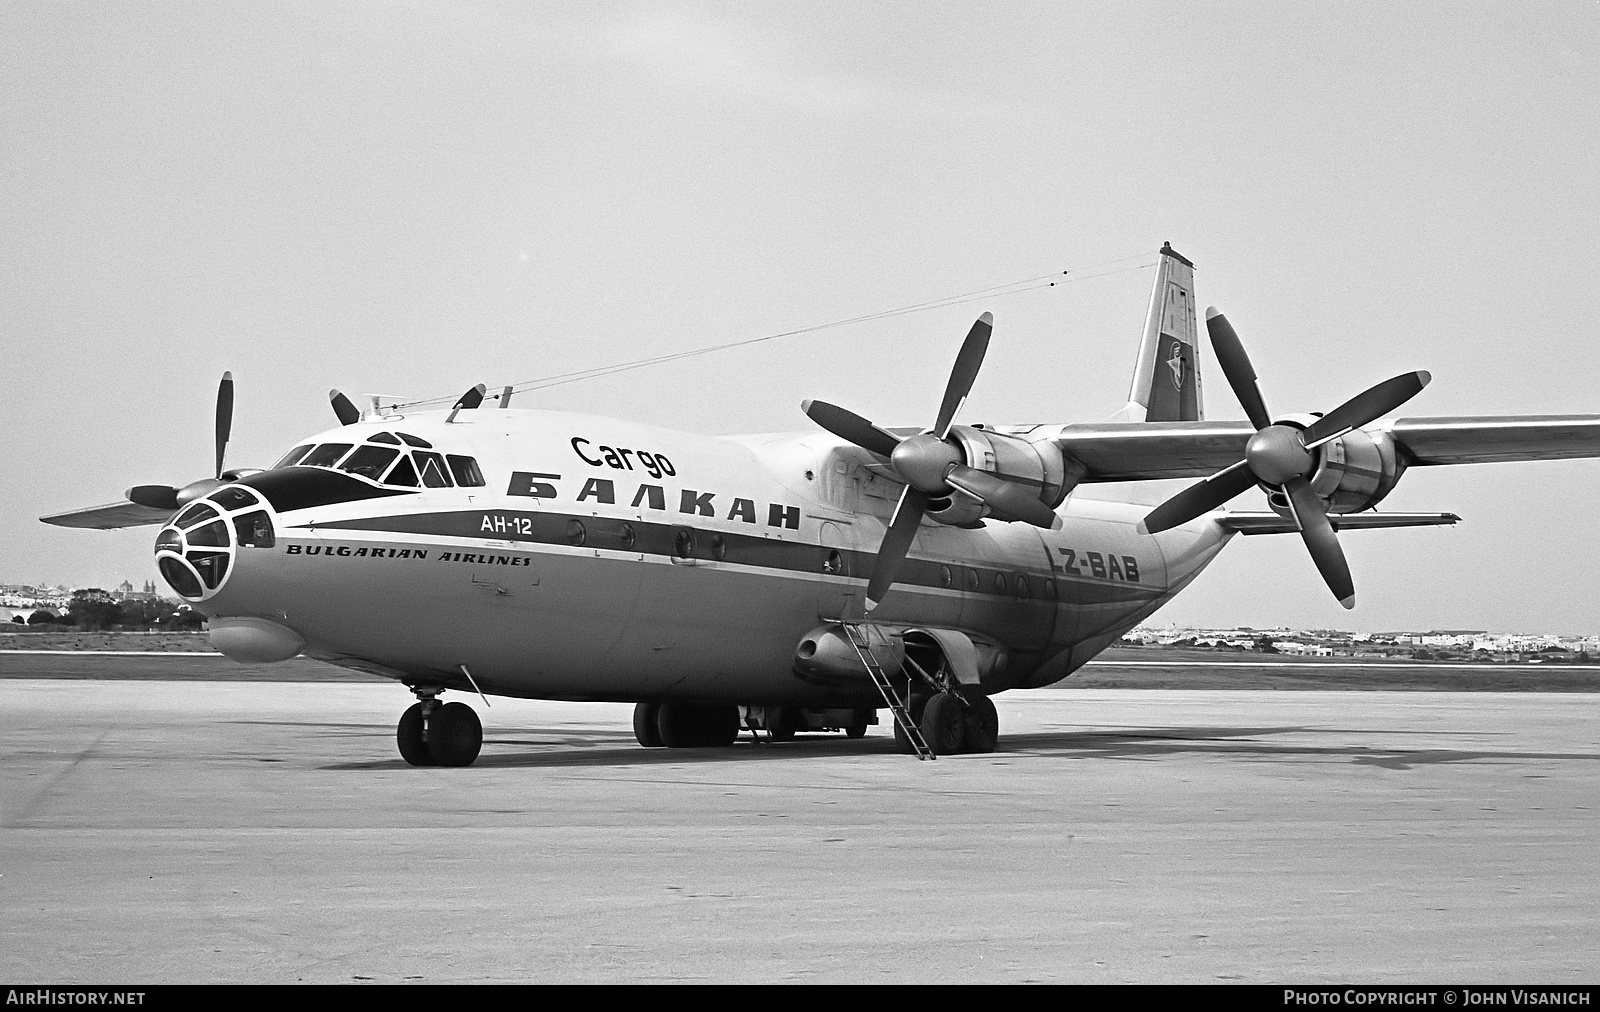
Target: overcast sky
point(413, 198)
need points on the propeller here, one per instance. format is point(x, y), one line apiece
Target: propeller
point(166, 497)
point(1283, 456)
point(347, 412)
point(931, 465)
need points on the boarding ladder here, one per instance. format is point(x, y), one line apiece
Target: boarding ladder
point(858, 639)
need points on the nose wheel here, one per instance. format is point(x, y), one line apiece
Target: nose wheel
point(431, 733)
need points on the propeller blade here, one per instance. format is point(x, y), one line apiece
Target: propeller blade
point(1236, 367)
point(963, 373)
point(1008, 499)
point(1365, 407)
point(1321, 541)
point(896, 543)
point(850, 426)
point(156, 497)
point(1201, 497)
point(348, 413)
point(224, 418)
point(472, 398)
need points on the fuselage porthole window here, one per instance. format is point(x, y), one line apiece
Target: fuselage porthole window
point(719, 547)
point(999, 583)
point(627, 537)
point(972, 580)
point(683, 543)
point(946, 578)
point(575, 532)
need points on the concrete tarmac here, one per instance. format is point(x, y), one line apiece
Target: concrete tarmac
point(169, 832)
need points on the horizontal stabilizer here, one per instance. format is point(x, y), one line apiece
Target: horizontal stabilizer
point(110, 516)
point(1273, 523)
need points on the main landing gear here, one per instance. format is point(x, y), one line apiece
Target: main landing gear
point(951, 724)
point(685, 725)
point(432, 733)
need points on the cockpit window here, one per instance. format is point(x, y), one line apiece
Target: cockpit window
point(465, 469)
point(194, 514)
point(403, 474)
point(432, 467)
point(293, 455)
point(389, 452)
point(369, 461)
point(233, 499)
point(326, 455)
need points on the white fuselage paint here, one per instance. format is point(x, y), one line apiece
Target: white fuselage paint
point(415, 586)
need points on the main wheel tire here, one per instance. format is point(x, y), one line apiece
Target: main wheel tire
point(455, 735)
point(693, 725)
point(859, 722)
point(408, 735)
point(980, 726)
point(721, 726)
point(675, 725)
point(942, 724)
point(782, 722)
point(645, 729)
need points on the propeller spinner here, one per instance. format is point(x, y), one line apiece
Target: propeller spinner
point(931, 464)
point(1283, 456)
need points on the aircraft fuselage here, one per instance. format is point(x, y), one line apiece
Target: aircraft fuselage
point(608, 560)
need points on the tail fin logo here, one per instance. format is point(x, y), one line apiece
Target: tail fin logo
point(1175, 363)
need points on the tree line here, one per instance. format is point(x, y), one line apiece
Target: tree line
point(96, 610)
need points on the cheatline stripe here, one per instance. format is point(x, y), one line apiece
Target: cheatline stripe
point(660, 539)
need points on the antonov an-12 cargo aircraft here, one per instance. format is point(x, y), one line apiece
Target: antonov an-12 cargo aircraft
point(776, 583)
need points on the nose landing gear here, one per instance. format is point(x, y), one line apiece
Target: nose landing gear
point(431, 733)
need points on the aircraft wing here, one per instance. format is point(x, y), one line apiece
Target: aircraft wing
point(1272, 523)
point(110, 516)
point(1490, 439)
point(1140, 451)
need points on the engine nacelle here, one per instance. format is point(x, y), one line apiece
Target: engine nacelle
point(1354, 472)
point(1035, 465)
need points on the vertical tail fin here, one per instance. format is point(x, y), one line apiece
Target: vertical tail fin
point(1166, 378)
